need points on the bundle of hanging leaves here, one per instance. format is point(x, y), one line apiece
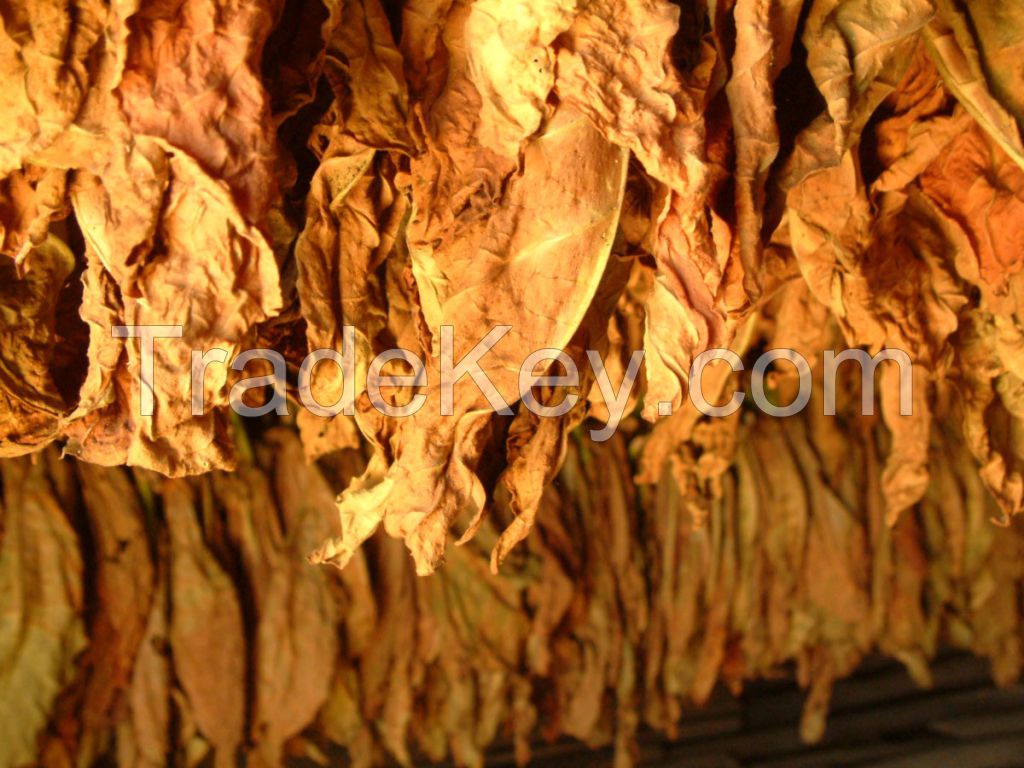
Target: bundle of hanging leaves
point(600, 175)
point(151, 621)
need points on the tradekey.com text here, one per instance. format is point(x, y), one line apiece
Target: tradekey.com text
point(535, 371)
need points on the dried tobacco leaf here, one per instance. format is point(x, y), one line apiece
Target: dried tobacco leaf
point(145, 741)
point(41, 626)
point(31, 404)
point(205, 245)
point(206, 633)
point(124, 580)
point(432, 480)
point(296, 639)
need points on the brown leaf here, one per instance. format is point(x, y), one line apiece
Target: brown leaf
point(207, 637)
point(41, 628)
